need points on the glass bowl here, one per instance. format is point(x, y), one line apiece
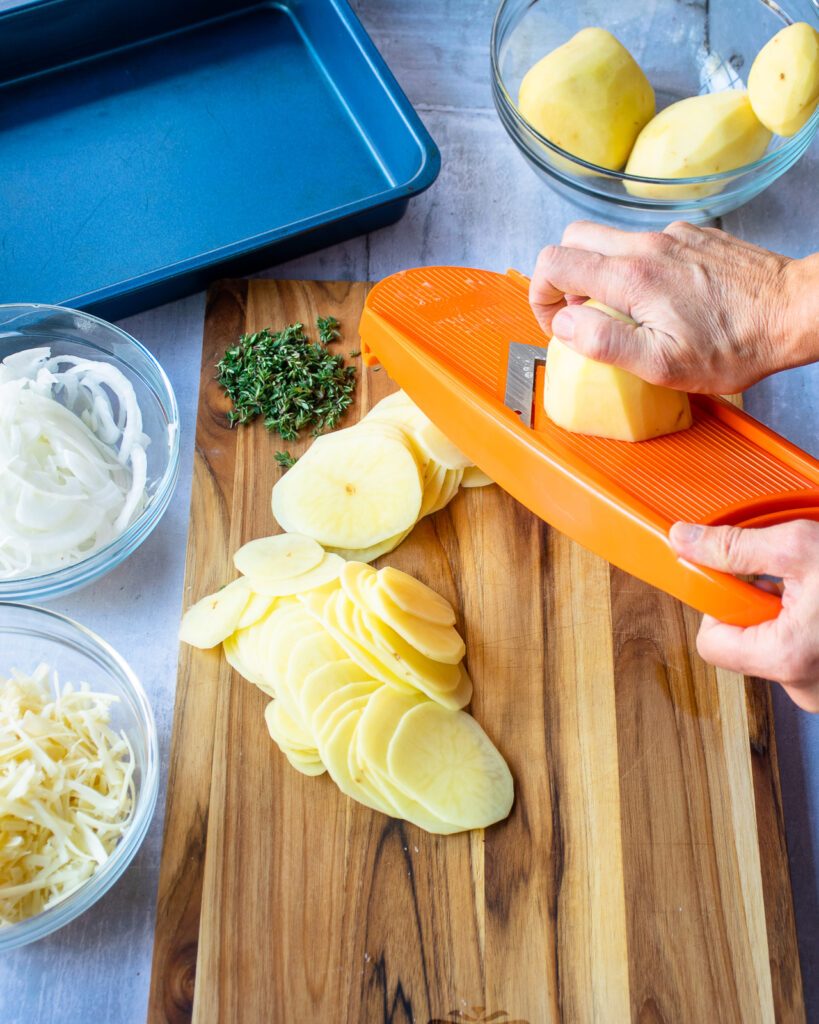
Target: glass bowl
point(31, 635)
point(684, 49)
point(68, 332)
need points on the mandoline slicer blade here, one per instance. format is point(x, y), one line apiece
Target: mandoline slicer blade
point(444, 333)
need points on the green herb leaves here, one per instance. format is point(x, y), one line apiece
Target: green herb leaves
point(285, 459)
point(291, 382)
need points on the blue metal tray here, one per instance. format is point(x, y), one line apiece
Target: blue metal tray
point(147, 147)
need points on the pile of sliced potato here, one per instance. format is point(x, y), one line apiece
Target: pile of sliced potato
point(366, 673)
point(360, 491)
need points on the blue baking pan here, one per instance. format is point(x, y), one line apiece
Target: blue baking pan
point(147, 147)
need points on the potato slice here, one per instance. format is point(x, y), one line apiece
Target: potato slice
point(440, 448)
point(336, 754)
point(333, 708)
point(326, 680)
point(351, 490)
point(445, 761)
point(474, 477)
point(257, 607)
point(353, 577)
point(287, 732)
point(435, 478)
point(278, 558)
point(278, 643)
point(325, 572)
point(306, 767)
point(449, 489)
point(376, 727)
point(439, 643)
point(308, 654)
point(242, 657)
point(415, 597)
point(371, 553)
point(327, 611)
point(377, 794)
point(215, 617)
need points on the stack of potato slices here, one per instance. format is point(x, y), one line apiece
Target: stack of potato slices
point(366, 675)
point(360, 491)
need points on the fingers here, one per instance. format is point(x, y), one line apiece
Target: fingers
point(562, 271)
point(601, 337)
point(755, 651)
point(593, 237)
point(774, 550)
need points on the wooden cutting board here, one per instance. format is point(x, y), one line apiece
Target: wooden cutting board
point(643, 872)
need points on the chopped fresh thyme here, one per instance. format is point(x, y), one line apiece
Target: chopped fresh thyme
point(355, 355)
point(285, 459)
point(291, 382)
point(328, 328)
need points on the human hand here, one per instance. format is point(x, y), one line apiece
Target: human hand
point(714, 313)
point(784, 649)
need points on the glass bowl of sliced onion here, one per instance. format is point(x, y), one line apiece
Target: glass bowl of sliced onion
point(89, 448)
point(79, 770)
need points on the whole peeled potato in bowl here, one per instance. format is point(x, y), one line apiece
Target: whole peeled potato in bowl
point(783, 83)
point(590, 97)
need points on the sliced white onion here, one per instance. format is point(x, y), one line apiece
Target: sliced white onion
point(73, 468)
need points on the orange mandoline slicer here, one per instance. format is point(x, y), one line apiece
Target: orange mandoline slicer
point(466, 347)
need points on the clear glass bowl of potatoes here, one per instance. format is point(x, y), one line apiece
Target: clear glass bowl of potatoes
point(643, 114)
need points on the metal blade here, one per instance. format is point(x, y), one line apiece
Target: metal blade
point(520, 378)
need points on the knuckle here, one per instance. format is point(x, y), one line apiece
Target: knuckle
point(730, 542)
point(638, 273)
point(658, 241)
point(573, 229)
point(548, 256)
point(597, 341)
point(680, 229)
point(803, 536)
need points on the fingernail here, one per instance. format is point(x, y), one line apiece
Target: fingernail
point(563, 325)
point(686, 533)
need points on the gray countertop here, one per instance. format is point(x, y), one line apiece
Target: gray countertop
point(99, 967)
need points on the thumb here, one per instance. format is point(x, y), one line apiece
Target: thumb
point(731, 548)
point(630, 346)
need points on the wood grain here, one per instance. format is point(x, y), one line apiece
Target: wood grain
point(642, 874)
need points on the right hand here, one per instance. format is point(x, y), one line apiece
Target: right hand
point(784, 649)
point(714, 314)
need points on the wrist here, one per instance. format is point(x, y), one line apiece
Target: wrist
point(799, 338)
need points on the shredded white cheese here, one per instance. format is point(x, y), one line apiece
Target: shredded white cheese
point(72, 460)
point(66, 790)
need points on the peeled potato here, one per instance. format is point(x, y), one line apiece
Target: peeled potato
point(449, 488)
point(241, 654)
point(783, 83)
point(326, 571)
point(440, 448)
point(353, 578)
point(278, 558)
point(334, 707)
point(352, 489)
point(415, 597)
point(445, 761)
point(211, 620)
point(287, 732)
point(323, 681)
point(435, 479)
point(474, 477)
point(439, 643)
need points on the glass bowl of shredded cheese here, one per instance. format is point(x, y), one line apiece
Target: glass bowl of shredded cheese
point(89, 449)
point(78, 770)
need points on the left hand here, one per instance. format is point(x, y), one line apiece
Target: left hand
point(784, 649)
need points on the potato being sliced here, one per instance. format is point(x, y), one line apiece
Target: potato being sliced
point(439, 643)
point(326, 680)
point(371, 553)
point(474, 477)
point(209, 621)
point(376, 727)
point(325, 572)
point(278, 558)
point(336, 757)
point(257, 607)
point(445, 761)
point(351, 490)
point(415, 597)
